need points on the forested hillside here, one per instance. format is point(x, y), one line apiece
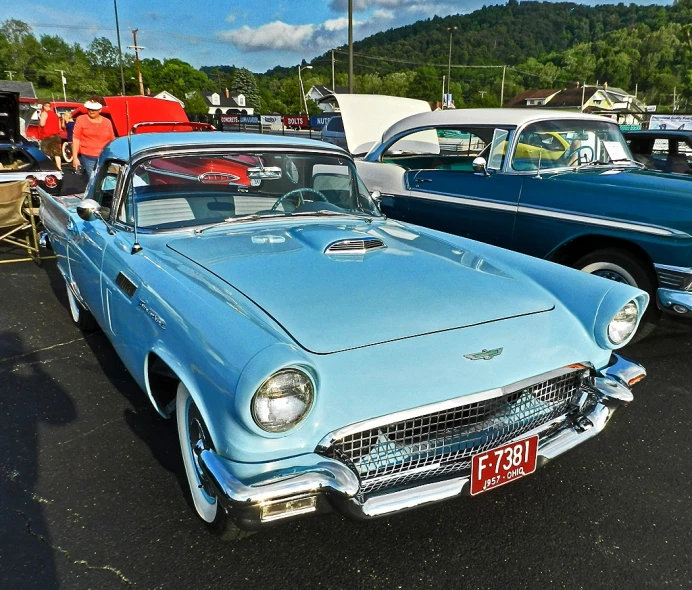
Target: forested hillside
point(647, 49)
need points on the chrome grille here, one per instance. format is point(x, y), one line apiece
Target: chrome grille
point(442, 442)
point(672, 279)
point(359, 246)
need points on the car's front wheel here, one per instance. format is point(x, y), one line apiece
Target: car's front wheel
point(80, 316)
point(194, 436)
point(623, 267)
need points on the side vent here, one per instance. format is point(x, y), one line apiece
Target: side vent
point(125, 284)
point(359, 246)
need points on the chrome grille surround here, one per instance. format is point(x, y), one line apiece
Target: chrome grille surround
point(673, 277)
point(357, 246)
point(440, 439)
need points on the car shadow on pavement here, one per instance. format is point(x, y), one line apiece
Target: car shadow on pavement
point(29, 399)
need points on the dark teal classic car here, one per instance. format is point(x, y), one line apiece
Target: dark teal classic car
point(557, 185)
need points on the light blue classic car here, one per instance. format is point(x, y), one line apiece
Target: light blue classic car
point(558, 185)
point(317, 355)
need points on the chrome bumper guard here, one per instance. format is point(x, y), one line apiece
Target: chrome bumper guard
point(319, 484)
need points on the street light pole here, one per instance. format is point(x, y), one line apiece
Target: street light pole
point(137, 48)
point(449, 62)
point(64, 83)
point(303, 101)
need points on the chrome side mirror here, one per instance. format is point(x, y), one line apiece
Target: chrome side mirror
point(88, 210)
point(480, 166)
point(376, 196)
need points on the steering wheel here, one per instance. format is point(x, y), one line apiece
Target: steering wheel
point(577, 152)
point(299, 192)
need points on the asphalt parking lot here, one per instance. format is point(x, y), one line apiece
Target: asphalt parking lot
point(91, 495)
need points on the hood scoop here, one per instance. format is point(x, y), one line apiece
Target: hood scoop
point(357, 246)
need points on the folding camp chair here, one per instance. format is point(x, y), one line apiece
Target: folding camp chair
point(18, 220)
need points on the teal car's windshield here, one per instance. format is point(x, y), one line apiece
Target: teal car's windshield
point(569, 143)
point(178, 191)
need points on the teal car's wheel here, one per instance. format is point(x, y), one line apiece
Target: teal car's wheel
point(194, 436)
point(80, 316)
point(623, 267)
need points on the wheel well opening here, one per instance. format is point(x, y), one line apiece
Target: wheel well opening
point(163, 384)
point(569, 253)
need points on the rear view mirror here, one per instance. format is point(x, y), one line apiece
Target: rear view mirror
point(88, 210)
point(264, 173)
point(480, 165)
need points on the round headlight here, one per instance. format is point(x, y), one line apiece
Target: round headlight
point(623, 324)
point(283, 400)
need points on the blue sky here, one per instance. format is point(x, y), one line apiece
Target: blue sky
point(257, 35)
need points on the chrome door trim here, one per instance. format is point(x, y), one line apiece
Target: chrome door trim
point(464, 200)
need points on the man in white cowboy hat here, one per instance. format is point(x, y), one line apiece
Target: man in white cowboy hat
point(90, 135)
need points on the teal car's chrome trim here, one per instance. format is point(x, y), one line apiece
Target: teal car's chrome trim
point(603, 221)
point(465, 200)
point(674, 277)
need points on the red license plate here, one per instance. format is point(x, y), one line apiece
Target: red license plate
point(502, 465)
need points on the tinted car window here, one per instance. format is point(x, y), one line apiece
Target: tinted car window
point(336, 124)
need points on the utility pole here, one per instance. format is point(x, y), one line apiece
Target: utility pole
point(350, 46)
point(502, 89)
point(449, 61)
point(120, 50)
point(333, 79)
point(443, 92)
point(64, 83)
point(137, 48)
point(9, 73)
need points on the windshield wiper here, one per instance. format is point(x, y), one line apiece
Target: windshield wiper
point(229, 220)
point(328, 212)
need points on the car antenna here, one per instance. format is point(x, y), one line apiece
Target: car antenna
point(136, 247)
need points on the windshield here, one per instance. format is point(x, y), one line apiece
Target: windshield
point(569, 143)
point(192, 190)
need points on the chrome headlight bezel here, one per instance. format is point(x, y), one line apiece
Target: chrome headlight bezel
point(267, 393)
point(623, 324)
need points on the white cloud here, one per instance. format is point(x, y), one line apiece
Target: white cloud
point(335, 24)
point(230, 18)
point(276, 36)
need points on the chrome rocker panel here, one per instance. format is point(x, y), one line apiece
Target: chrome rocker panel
point(335, 486)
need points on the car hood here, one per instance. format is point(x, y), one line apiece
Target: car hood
point(327, 302)
point(366, 117)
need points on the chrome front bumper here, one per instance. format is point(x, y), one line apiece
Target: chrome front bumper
point(312, 483)
point(675, 292)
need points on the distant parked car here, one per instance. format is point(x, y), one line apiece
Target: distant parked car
point(333, 132)
point(19, 158)
point(557, 185)
point(318, 356)
point(662, 149)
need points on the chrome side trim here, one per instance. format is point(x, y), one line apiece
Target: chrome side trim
point(464, 200)
point(330, 438)
point(602, 221)
point(674, 277)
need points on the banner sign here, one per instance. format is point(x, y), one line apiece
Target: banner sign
point(671, 122)
point(272, 120)
point(296, 121)
point(250, 119)
point(230, 119)
point(319, 121)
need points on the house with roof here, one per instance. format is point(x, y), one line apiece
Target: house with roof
point(320, 95)
point(597, 99)
point(225, 104)
point(168, 96)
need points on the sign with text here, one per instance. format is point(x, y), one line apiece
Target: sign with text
point(230, 119)
point(297, 121)
point(319, 121)
point(250, 119)
point(272, 120)
point(671, 122)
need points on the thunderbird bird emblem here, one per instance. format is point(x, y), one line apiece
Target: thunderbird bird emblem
point(484, 355)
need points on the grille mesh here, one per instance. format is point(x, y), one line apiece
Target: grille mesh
point(443, 442)
point(359, 246)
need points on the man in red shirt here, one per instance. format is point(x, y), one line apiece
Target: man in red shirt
point(49, 134)
point(90, 135)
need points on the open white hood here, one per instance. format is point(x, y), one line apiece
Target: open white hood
point(367, 116)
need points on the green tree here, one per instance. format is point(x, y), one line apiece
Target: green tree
point(195, 104)
point(244, 83)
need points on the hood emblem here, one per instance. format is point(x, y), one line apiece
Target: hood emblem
point(484, 355)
